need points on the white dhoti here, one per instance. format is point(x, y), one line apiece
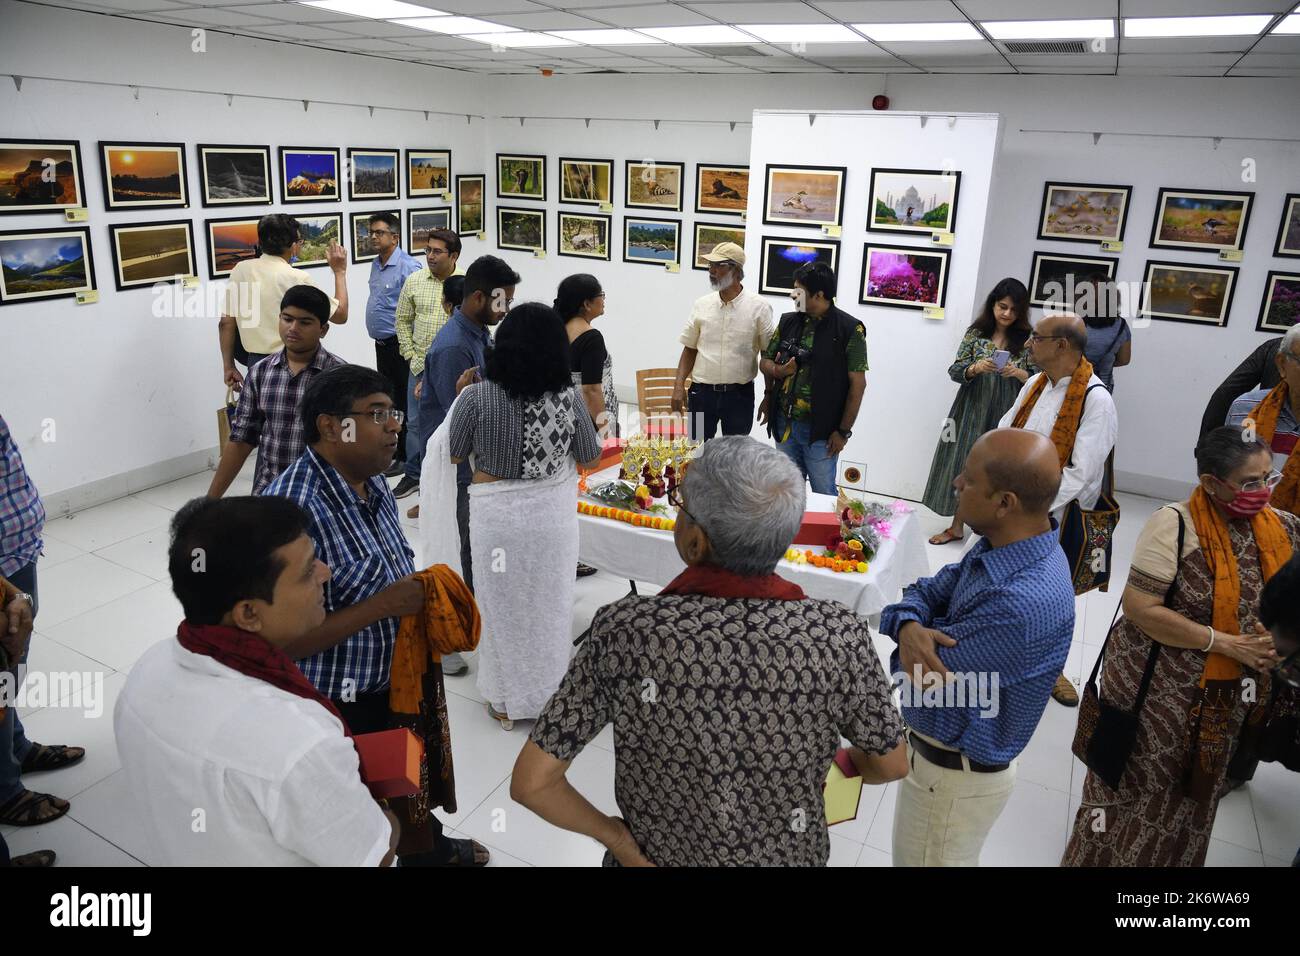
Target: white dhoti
point(524, 536)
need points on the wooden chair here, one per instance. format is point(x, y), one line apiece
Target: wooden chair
point(654, 396)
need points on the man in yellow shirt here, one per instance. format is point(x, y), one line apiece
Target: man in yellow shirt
point(257, 285)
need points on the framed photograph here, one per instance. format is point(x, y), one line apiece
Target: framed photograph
point(584, 235)
point(428, 172)
point(145, 253)
point(721, 189)
point(230, 242)
point(421, 222)
point(522, 229)
point(317, 233)
point(709, 234)
point(521, 177)
point(904, 277)
point(804, 195)
point(1203, 221)
point(143, 175)
point(234, 175)
point(363, 250)
point(309, 175)
point(589, 182)
point(469, 205)
point(1084, 212)
point(914, 201)
point(1281, 306)
point(372, 174)
point(782, 256)
point(1288, 231)
point(40, 175)
point(1054, 278)
point(1184, 292)
point(655, 241)
point(654, 185)
point(45, 264)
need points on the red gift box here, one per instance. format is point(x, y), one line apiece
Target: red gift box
point(390, 762)
point(818, 528)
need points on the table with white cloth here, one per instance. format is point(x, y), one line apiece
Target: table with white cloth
point(644, 554)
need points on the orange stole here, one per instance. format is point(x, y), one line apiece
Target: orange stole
point(448, 623)
point(1286, 495)
point(1067, 419)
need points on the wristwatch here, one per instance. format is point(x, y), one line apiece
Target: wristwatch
point(847, 433)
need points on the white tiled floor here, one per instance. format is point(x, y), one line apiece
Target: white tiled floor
point(105, 599)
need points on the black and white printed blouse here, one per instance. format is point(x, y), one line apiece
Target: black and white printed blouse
point(513, 438)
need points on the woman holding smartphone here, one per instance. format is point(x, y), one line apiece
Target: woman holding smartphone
point(992, 363)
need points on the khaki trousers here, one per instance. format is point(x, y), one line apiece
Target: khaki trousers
point(942, 817)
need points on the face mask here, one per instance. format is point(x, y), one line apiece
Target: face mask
point(1247, 504)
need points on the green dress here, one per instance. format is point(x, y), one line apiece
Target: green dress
point(979, 406)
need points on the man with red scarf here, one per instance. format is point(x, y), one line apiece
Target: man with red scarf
point(231, 754)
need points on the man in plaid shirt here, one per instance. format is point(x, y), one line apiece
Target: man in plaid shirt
point(267, 416)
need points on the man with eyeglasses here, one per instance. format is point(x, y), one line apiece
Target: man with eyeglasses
point(256, 286)
point(388, 273)
point(420, 316)
point(1273, 415)
point(351, 427)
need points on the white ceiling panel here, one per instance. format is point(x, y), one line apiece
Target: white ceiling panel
point(1206, 60)
point(1265, 72)
point(1202, 8)
point(299, 31)
point(759, 12)
point(650, 15)
point(1279, 61)
point(295, 13)
point(481, 8)
point(125, 6)
point(557, 20)
point(1040, 9)
point(941, 51)
point(1086, 61)
point(1065, 71)
point(859, 51)
point(1278, 44)
point(885, 11)
point(220, 18)
point(1166, 71)
point(375, 28)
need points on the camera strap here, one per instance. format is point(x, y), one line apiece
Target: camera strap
point(787, 385)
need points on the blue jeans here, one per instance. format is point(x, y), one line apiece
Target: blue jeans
point(810, 456)
point(13, 741)
point(414, 449)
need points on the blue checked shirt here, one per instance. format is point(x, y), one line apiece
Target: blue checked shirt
point(363, 544)
point(1011, 612)
point(386, 281)
point(22, 516)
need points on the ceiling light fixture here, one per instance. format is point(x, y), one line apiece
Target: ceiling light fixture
point(1289, 25)
point(918, 32)
point(704, 34)
point(1229, 26)
point(606, 37)
point(802, 32)
point(456, 25)
point(1050, 29)
point(518, 39)
point(373, 9)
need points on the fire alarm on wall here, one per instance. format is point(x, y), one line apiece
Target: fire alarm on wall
point(880, 102)
point(546, 72)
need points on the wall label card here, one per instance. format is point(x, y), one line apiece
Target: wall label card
point(539, 253)
point(190, 282)
point(89, 297)
point(1112, 245)
point(607, 207)
point(482, 237)
point(674, 267)
point(1230, 255)
point(80, 214)
point(833, 231)
point(933, 312)
point(941, 238)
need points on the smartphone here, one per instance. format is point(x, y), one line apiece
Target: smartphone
point(1000, 359)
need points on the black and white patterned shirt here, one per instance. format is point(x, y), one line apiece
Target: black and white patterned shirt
point(727, 713)
point(513, 438)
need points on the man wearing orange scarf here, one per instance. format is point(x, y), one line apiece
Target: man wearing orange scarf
point(1275, 416)
point(1071, 406)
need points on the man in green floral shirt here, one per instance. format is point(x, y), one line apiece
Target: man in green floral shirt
point(816, 371)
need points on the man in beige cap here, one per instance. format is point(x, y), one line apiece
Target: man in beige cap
point(727, 330)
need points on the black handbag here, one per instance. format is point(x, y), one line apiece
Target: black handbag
point(1085, 533)
point(1106, 734)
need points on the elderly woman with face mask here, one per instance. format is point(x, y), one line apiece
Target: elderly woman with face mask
point(1181, 657)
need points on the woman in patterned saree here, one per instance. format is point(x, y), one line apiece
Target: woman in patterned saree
point(1199, 607)
point(986, 393)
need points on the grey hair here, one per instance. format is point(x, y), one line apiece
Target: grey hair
point(1291, 341)
point(749, 498)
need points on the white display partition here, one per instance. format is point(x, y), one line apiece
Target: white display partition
point(908, 391)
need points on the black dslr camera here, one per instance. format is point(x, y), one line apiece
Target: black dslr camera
point(792, 349)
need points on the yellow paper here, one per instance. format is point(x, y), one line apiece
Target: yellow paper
point(934, 312)
point(941, 238)
point(539, 253)
point(1230, 255)
point(833, 231)
point(841, 795)
point(78, 214)
point(445, 195)
point(482, 237)
point(1112, 245)
point(88, 297)
point(674, 267)
point(190, 282)
point(743, 215)
point(607, 207)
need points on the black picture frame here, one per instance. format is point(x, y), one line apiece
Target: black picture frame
point(536, 158)
point(354, 243)
point(564, 161)
point(700, 195)
point(1109, 263)
point(662, 263)
point(841, 172)
point(630, 176)
point(282, 175)
point(945, 255)
point(395, 155)
point(1270, 282)
point(123, 284)
point(1050, 187)
point(443, 211)
point(118, 205)
point(538, 214)
point(214, 272)
point(1247, 198)
point(422, 192)
point(766, 285)
point(1151, 264)
point(202, 151)
point(695, 245)
point(73, 147)
point(7, 297)
point(482, 204)
point(925, 230)
point(338, 231)
point(608, 220)
point(1290, 211)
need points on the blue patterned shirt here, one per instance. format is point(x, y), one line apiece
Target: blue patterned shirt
point(22, 516)
point(386, 281)
point(363, 544)
point(1011, 611)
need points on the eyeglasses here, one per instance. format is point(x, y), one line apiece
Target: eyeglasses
point(380, 416)
point(1259, 484)
point(675, 499)
point(1035, 337)
point(381, 232)
point(436, 252)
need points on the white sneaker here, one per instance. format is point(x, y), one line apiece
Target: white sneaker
point(454, 664)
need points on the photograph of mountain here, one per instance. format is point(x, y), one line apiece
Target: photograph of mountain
point(45, 264)
point(372, 174)
point(40, 176)
point(317, 233)
point(235, 175)
point(309, 175)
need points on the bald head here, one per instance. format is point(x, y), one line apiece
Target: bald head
point(1067, 325)
point(1021, 462)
